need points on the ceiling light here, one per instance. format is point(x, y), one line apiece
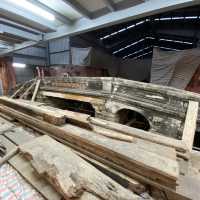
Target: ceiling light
point(19, 65)
point(137, 52)
point(176, 41)
point(171, 49)
point(143, 55)
point(34, 9)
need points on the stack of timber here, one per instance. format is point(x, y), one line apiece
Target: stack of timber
point(136, 156)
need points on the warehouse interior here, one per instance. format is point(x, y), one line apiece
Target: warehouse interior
point(99, 99)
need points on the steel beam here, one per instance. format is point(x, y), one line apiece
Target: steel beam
point(17, 25)
point(110, 5)
point(12, 12)
point(19, 33)
point(142, 10)
point(58, 16)
point(17, 47)
point(78, 7)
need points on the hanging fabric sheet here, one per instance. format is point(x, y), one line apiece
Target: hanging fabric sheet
point(174, 68)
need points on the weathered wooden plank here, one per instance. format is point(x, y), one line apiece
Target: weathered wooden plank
point(171, 194)
point(122, 179)
point(190, 124)
point(25, 94)
point(24, 168)
point(7, 143)
point(48, 115)
point(8, 155)
point(5, 125)
point(68, 173)
point(112, 134)
point(157, 168)
point(71, 96)
point(19, 135)
point(36, 90)
point(159, 139)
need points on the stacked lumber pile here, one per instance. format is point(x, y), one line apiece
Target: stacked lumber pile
point(135, 159)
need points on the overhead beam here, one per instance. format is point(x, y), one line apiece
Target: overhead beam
point(142, 10)
point(78, 7)
point(5, 29)
point(11, 23)
point(12, 12)
point(57, 15)
point(17, 47)
point(110, 5)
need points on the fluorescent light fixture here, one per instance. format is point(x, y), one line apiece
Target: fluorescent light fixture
point(34, 9)
point(165, 18)
point(19, 65)
point(131, 26)
point(176, 18)
point(143, 54)
point(151, 38)
point(137, 52)
point(124, 29)
point(176, 41)
point(132, 44)
point(191, 17)
point(171, 49)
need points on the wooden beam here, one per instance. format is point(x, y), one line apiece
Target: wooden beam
point(137, 133)
point(190, 124)
point(36, 90)
point(69, 174)
point(145, 163)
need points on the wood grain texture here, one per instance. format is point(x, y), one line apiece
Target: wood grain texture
point(152, 137)
point(148, 164)
point(24, 168)
point(190, 124)
point(19, 135)
point(70, 174)
point(36, 90)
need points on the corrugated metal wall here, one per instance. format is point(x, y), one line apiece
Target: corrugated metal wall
point(59, 51)
point(31, 56)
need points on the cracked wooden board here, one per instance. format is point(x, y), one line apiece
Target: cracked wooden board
point(24, 168)
point(69, 174)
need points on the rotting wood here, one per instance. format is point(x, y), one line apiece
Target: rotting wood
point(122, 179)
point(24, 168)
point(190, 124)
point(36, 90)
point(71, 135)
point(171, 194)
point(68, 173)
